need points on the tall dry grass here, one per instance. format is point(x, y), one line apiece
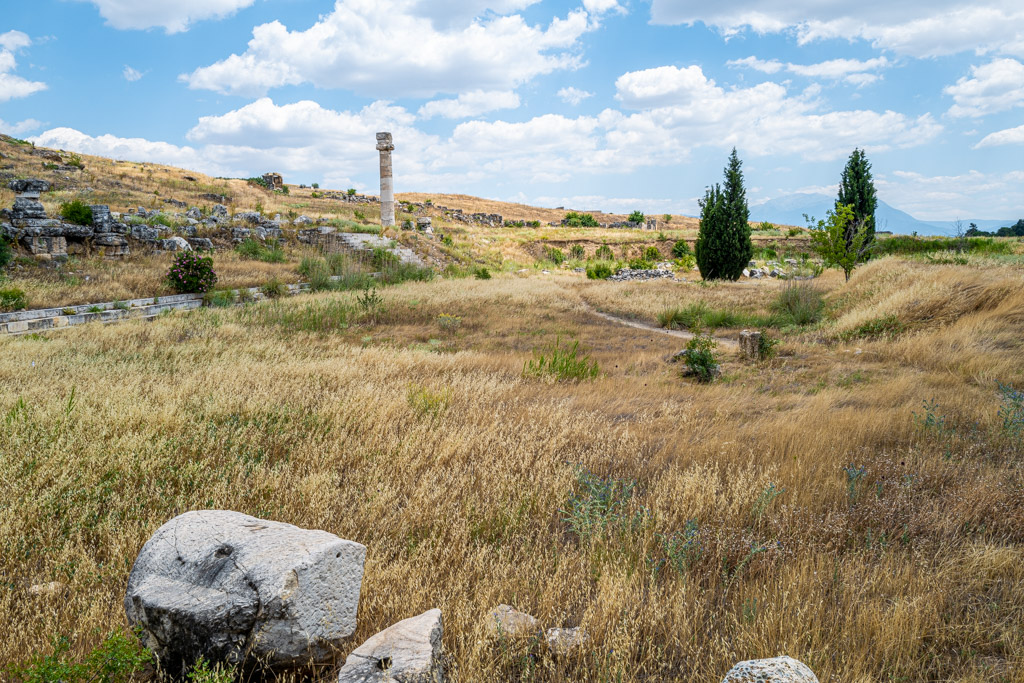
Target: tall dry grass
point(427, 445)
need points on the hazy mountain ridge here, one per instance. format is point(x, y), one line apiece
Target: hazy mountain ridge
point(791, 208)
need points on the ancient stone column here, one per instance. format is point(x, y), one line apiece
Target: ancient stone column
point(387, 186)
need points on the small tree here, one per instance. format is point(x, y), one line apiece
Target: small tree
point(840, 239)
point(636, 217)
point(723, 243)
point(857, 190)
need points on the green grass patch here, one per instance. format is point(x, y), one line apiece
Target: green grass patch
point(561, 363)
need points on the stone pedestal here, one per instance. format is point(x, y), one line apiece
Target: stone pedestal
point(387, 187)
point(750, 344)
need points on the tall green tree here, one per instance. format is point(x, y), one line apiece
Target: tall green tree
point(723, 246)
point(857, 190)
point(841, 239)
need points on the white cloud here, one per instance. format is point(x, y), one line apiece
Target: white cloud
point(20, 128)
point(573, 95)
point(912, 27)
point(602, 6)
point(135, 149)
point(470, 104)
point(993, 87)
point(131, 75)
point(853, 71)
point(14, 40)
point(687, 108)
point(173, 16)
point(973, 194)
point(383, 48)
point(12, 86)
point(1010, 136)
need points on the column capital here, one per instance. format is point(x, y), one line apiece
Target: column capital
point(384, 143)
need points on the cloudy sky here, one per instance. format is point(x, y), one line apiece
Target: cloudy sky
point(602, 104)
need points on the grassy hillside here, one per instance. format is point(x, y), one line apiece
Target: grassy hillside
point(855, 501)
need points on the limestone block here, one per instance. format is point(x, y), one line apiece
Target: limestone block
point(239, 590)
point(750, 344)
point(505, 620)
point(29, 187)
point(100, 216)
point(220, 210)
point(408, 652)
point(777, 670)
point(145, 233)
point(200, 243)
point(25, 207)
point(175, 243)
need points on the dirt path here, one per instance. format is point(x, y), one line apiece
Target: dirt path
point(723, 341)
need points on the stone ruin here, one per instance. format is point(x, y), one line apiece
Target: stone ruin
point(274, 181)
point(387, 184)
point(115, 234)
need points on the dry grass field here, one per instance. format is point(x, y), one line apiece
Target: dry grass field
point(857, 502)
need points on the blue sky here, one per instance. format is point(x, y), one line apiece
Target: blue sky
point(597, 104)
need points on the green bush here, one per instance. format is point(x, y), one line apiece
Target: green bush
point(555, 255)
point(561, 363)
point(574, 219)
point(640, 264)
point(191, 273)
point(76, 212)
point(652, 254)
point(604, 253)
point(6, 253)
point(257, 251)
point(602, 270)
point(686, 262)
point(681, 248)
point(667, 218)
point(577, 251)
point(636, 217)
point(799, 304)
point(700, 358)
point(12, 299)
point(764, 226)
point(273, 289)
point(483, 274)
point(118, 659)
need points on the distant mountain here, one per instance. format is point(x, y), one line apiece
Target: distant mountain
point(789, 209)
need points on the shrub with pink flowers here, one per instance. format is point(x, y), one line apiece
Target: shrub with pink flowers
point(191, 273)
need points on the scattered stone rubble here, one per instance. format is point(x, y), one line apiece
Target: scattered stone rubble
point(625, 274)
point(238, 590)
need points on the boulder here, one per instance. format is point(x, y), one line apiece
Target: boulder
point(201, 243)
point(101, 216)
point(109, 239)
point(777, 670)
point(235, 589)
point(408, 652)
point(505, 620)
point(175, 243)
point(220, 210)
point(194, 213)
point(563, 642)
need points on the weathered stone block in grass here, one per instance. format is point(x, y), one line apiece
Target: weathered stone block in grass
point(240, 590)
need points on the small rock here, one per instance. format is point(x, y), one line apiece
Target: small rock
point(408, 652)
point(563, 642)
point(777, 670)
point(505, 620)
point(51, 588)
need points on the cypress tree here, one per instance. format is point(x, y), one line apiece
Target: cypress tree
point(857, 190)
point(723, 244)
